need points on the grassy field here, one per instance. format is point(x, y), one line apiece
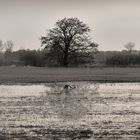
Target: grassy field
point(11, 74)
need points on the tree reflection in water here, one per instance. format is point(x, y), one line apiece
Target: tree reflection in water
point(70, 103)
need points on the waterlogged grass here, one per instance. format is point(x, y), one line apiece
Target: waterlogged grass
point(89, 111)
point(42, 75)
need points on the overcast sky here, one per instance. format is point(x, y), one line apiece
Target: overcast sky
point(113, 22)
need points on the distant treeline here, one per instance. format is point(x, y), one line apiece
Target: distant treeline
point(119, 58)
point(42, 58)
point(24, 58)
point(127, 59)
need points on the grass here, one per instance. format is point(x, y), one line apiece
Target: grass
point(9, 74)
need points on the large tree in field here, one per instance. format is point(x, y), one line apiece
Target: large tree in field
point(68, 37)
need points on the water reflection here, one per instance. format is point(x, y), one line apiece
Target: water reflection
point(69, 102)
point(53, 112)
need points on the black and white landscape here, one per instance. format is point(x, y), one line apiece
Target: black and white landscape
point(69, 70)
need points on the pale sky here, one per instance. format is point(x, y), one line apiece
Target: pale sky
point(113, 22)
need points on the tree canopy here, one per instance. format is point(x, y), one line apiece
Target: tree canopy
point(69, 37)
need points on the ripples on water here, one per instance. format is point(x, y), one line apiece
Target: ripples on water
point(91, 110)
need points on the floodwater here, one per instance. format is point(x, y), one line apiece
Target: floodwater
point(86, 111)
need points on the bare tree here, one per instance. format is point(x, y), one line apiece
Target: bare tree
point(130, 46)
point(1, 46)
point(9, 45)
point(70, 35)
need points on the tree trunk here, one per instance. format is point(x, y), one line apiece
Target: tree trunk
point(65, 58)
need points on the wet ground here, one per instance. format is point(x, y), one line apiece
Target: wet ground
point(90, 111)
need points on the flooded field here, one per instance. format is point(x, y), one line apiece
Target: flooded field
point(88, 111)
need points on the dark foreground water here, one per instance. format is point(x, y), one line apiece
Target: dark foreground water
point(90, 111)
